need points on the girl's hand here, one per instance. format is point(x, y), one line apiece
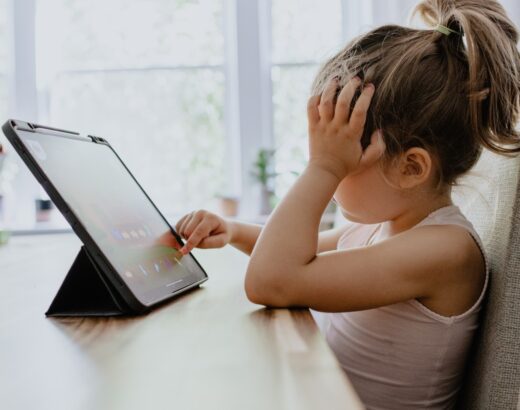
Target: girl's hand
point(335, 133)
point(202, 229)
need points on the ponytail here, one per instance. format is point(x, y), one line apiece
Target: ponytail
point(493, 61)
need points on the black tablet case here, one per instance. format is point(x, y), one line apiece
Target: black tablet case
point(85, 292)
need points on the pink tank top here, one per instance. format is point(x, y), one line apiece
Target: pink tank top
point(404, 356)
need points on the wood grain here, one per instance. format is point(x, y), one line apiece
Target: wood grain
point(209, 349)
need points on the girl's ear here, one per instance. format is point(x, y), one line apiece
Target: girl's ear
point(415, 167)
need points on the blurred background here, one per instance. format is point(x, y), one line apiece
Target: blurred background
point(204, 100)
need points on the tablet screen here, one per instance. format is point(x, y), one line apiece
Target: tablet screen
point(116, 213)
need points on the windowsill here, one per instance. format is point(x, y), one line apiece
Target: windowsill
point(40, 231)
point(327, 221)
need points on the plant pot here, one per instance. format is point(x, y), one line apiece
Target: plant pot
point(228, 206)
point(266, 201)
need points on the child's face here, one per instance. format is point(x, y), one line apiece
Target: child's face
point(367, 197)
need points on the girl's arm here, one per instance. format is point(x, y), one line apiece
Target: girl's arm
point(203, 229)
point(286, 269)
point(244, 237)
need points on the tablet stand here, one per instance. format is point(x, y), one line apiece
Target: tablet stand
point(85, 292)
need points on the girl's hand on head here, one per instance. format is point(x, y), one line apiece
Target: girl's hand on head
point(203, 229)
point(335, 133)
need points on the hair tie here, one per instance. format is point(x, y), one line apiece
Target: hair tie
point(445, 30)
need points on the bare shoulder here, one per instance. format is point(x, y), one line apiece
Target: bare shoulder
point(452, 244)
point(460, 268)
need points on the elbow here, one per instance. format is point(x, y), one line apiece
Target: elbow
point(253, 295)
point(262, 290)
point(255, 290)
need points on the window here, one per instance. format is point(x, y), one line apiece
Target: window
point(141, 74)
point(304, 34)
point(187, 91)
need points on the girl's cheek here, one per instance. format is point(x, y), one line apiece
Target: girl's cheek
point(349, 196)
point(360, 197)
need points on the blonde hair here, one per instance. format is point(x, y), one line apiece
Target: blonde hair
point(450, 94)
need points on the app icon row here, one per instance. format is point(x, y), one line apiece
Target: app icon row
point(164, 264)
point(131, 233)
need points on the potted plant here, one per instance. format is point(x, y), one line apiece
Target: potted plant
point(264, 174)
point(228, 204)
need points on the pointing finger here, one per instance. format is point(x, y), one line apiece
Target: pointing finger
point(193, 223)
point(200, 232)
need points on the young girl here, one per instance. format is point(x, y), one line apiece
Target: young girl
point(395, 118)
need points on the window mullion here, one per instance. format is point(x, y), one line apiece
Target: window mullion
point(248, 100)
point(20, 209)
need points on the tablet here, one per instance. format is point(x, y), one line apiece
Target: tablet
point(137, 249)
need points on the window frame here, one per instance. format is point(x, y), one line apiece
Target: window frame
point(248, 110)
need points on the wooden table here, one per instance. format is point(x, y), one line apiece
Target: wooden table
point(209, 349)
